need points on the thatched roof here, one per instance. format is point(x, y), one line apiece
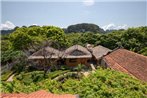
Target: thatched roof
point(77, 51)
point(100, 51)
point(128, 62)
point(46, 52)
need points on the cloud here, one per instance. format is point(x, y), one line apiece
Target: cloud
point(7, 26)
point(114, 27)
point(88, 2)
point(34, 24)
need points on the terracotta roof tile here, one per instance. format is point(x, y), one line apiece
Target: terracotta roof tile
point(128, 62)
point(37, 94)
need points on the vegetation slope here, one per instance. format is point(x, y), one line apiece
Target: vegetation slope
point(104, 83)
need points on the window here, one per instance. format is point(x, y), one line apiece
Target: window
point(88, 61)
point(77, 53)
point(72, 60)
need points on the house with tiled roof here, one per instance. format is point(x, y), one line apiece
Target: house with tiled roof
point(38, 94)
point(128, 62)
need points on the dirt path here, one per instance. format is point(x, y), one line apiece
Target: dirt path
point(92, 67)
point(85, 73)
point(11, 78)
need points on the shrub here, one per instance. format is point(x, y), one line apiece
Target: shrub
point(103, 83)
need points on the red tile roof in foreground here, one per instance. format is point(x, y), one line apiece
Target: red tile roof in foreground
point(128, 62)
point(38, 94)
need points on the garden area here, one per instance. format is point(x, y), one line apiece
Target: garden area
point(103, 83)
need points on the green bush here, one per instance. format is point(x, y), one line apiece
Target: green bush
point(56, 73)
point(143, 51)
point(37, 76)
point(30, 77)
point(103, 83)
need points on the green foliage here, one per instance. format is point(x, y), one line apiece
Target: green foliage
point(20, 40)
point(143, 51)
point(133, 39)
point(16, 59)
point(79, 67)
point(73, 38)
point(6, 75)
point(6, 87)
point(56, 34)
point(25, 38)
point(56, 73)
point(110, 40)
point(5, 45)
point(103, 83)
point(10, 55)
point(18, 87)
point(36, 76)
point(30, 77)
point(89, 38)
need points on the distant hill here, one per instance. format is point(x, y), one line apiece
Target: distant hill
point(84, 27)
point(3, 32)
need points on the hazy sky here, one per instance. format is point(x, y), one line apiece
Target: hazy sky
point(103, 13)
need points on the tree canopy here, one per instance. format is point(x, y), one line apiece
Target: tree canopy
point(26, 38)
